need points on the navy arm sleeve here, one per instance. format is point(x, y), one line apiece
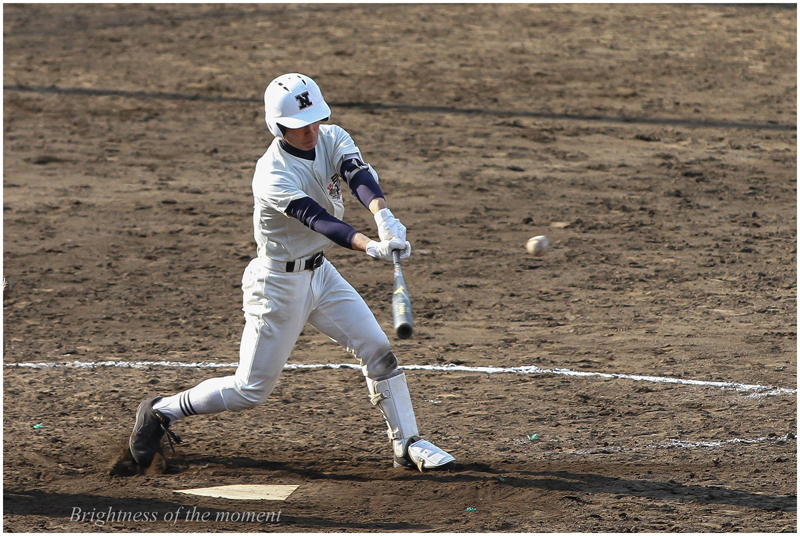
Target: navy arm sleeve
point(316, 218)
point(361, 182)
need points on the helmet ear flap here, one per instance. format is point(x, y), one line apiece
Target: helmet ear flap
point(274, 128)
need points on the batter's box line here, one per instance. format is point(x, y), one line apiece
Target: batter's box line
point(761, 390)
point(681, 444)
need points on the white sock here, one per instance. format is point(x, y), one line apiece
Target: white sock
point(203, 399)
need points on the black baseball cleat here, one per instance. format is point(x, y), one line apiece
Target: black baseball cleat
point(150, 427)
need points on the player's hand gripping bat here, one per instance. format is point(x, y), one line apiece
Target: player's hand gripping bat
point(401, 302)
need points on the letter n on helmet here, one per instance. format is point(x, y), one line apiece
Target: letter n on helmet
point(293, 101)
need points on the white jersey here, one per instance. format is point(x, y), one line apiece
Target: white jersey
point(280, 178)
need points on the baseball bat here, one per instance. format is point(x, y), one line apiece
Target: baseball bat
point(401, 301)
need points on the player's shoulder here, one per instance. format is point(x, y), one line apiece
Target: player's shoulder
point(272, 157)
point(272, 162)
point(328, 128)
point(335, 141)
point(333, 132)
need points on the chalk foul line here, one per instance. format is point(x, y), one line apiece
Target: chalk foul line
point(760, 390)
point(680, 444)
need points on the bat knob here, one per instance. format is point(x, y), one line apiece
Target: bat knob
point(404, 331)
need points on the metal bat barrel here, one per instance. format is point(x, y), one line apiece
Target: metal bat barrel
point(401, 302)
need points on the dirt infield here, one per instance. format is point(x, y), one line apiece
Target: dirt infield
point(655, 145)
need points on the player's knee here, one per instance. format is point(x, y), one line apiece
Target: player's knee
point(381, 367)
point(373, 348)
point(243, 396)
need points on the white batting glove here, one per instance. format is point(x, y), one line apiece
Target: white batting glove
point(405, 252)
point(383, 249)
point(388, 226)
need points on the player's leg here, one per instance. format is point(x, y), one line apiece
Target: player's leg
point(342, 315)
point(276, 306)
point(261, 361)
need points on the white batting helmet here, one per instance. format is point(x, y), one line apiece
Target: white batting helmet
point(293, 100)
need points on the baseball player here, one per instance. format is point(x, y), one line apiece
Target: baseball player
point(298, 212)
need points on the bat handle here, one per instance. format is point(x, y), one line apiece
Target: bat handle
point(396, 256)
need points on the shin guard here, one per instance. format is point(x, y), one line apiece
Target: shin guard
point(394, 401)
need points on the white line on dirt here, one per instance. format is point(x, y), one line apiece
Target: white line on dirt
point(763, 390)
point(679, 444)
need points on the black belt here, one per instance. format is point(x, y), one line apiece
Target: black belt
point(311, 263)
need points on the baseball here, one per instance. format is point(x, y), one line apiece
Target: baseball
point(538, 245)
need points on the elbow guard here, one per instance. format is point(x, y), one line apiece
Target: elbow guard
point(352, 166)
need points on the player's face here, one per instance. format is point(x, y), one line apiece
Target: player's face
point(304, 138)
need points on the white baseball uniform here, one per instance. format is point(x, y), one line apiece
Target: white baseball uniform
point(280, 178)
point(277, 304)
point(290, 283)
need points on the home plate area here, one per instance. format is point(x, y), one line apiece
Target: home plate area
point(244, 492)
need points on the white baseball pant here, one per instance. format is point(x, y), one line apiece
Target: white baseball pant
point(277, 306)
